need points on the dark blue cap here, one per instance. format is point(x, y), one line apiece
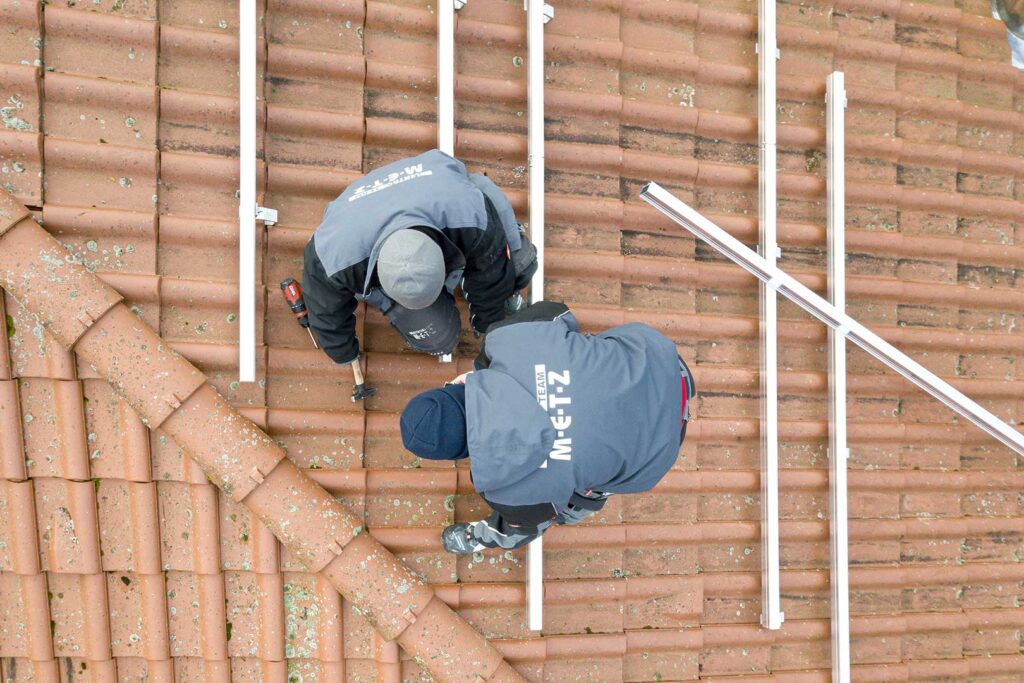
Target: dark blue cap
point(434, 424)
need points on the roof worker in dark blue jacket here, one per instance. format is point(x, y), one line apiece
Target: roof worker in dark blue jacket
point(402, 238)
point(554, 421)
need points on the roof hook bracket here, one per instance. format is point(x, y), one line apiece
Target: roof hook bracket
point(268, 216)
point(549, 10)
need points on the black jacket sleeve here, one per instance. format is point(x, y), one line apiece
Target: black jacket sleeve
point(489, 276)
point(332, 306)
point(540, 311)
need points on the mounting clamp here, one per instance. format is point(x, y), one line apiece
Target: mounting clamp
point(757, 50)
point(268, 216)
point(549, 10)
point(459, 4)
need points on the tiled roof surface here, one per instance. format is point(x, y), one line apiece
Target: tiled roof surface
point(119, 559)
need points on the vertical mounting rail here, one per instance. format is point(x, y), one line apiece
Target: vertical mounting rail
point(767, 53)
point(446, 77)
point(835, 105)
point(535, 123)
point(446, 85)
point(247, 191)
point(535, 20)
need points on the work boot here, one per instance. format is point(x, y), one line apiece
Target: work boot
point(514, 303)
point(458, 539)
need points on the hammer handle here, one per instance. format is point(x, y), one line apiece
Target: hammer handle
point(357, 372)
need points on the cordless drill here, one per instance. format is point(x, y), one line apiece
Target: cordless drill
point(293, 295)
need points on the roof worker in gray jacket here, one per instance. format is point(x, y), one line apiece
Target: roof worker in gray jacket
point(402, 238)
point(554, 421)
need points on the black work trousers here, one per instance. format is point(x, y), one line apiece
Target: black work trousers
point(496, 531)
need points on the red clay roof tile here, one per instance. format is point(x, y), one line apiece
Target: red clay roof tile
point(189, 527)
point(21, 146)
point(709, 50)
point(171, 463)
point(25, 629)
point(66, 519)
point(122, 49)
point(135, 669)
point(33, 351)
point(129, 526)
point(19, 546)
point(12, 454)
point(105, 239)
point(117, 441)
point(199, 246)
point(196, 615)
point(245, 543)
point(79, 614)
point(255, 610)
point(138, 603)
point(190, 181)
point(198, 669)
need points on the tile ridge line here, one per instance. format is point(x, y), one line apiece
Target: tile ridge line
point(240, 458)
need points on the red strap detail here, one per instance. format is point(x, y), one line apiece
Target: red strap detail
point(686, 397)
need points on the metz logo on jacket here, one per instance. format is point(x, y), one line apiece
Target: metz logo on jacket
point(557, 411)
point(561, 449)
point(390, 180)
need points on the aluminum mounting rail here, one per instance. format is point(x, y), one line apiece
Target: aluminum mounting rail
point(247, 192)
point(446, 85)
point(537, 14)
point(767, 52)
point(535, 20)
point(835, 108)
point(853, 331)
point(446, 77)
point(248, 210)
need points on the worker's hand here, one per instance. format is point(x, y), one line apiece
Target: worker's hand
point(461, 379)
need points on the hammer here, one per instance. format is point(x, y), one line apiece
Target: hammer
point(360, 390)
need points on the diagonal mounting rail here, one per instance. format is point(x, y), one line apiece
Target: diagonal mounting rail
point(789, 287)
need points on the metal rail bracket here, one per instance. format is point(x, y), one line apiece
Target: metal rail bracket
point(548, 12)
point(268, 216)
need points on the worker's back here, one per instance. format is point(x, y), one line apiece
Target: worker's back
point(558, 411)
point(431, 191)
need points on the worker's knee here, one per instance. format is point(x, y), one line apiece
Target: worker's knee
point(524, 261)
